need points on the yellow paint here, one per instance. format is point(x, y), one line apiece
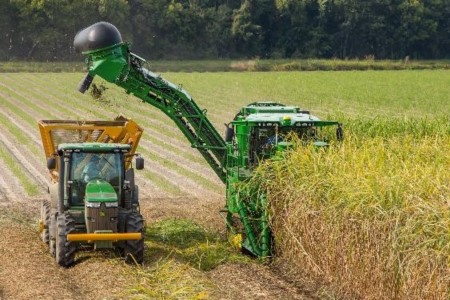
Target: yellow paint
point(236, 241)
point(91, 237)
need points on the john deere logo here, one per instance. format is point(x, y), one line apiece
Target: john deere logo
point(102, 213)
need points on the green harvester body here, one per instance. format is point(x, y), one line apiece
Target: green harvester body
point(255, 134)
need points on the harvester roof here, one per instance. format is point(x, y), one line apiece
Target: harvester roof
point(272, 114)
point(280, 117)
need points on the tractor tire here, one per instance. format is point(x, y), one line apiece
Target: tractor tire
point(44, 222)
point(134, 249)
point(52, 233)
point(121, 227)
point(52, 247)
point(65, 250)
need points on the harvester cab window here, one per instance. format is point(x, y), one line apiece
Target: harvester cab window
point(262, 141)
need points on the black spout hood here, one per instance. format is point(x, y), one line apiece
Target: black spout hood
point(97, 36)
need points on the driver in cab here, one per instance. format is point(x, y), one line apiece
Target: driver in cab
point(92, 169)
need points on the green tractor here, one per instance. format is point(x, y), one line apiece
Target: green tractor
point(93, 199)
point(256, 133)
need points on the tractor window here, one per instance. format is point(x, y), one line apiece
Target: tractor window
point(89, 166)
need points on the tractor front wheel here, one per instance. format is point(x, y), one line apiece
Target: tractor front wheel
point(65, 250)
point(134, 249)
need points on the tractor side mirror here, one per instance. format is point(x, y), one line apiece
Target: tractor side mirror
point(139, 163)
point(51, 163)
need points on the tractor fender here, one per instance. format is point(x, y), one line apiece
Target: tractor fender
point(135, 198)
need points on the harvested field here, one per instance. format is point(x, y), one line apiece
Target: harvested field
point(176, 184)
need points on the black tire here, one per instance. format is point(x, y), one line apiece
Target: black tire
point(65, 250)
point(52, 233)
point(121, 227)
point(134, 249)
point(44, 221)
point(52, 247)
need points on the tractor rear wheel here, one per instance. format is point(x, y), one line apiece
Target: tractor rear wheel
point(134, 249)
point(65, 250)
point(44, 221)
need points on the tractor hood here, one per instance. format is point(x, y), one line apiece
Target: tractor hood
point(99, 190)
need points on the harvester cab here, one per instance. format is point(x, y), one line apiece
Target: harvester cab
point(93, 199)
point(257, 132)
point(264, 130)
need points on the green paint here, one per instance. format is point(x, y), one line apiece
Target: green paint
point(99, 190)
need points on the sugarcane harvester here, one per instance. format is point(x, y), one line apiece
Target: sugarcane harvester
point(255, 134)
point(93, 201)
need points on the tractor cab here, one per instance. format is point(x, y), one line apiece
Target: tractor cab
point(93, 180)
point(93, 199)
point(94, 169)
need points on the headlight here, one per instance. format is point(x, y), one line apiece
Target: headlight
point(111, 204)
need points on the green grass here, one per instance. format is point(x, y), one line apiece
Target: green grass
point(97, 108)
point(33, 66)
point(162, 183)
point(19, 96)
point(241, 65)
point(28, 185)
point(19, 136)
point(190, 243)
point(346, 65)
point(200, 180)
point(178, 252)
point(405, 93)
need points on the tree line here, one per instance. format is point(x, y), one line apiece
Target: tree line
point(43, 30)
